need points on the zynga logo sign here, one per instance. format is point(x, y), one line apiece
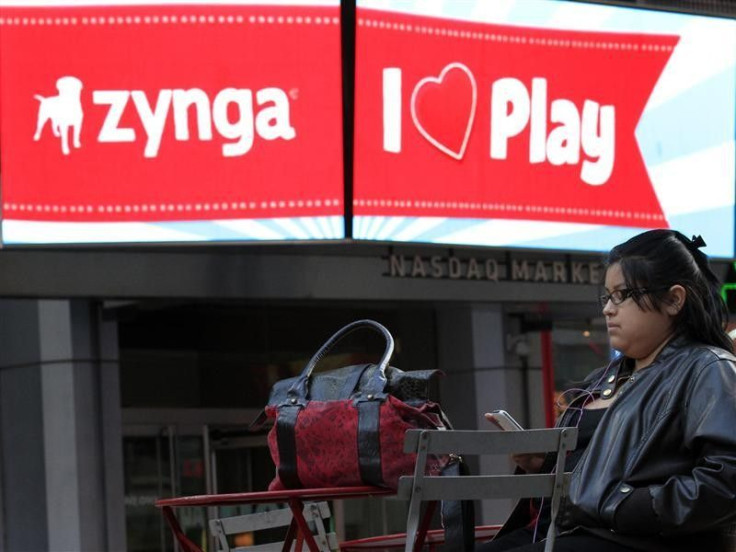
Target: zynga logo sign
point(162, 113)
point(236, 115)
point(443, 111)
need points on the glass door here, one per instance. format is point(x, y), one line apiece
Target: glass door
point(166, 460)
point(160, 462)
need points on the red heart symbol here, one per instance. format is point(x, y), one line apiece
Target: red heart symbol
point(443, 109)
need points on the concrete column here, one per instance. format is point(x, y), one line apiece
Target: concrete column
point(481, 376)
point(60, 427)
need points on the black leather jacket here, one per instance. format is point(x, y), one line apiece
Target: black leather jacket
point(659, 473)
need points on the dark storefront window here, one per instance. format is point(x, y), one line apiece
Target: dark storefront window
point(209, 356)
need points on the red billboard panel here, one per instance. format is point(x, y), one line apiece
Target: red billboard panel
point(170, 113)
point(485, 121)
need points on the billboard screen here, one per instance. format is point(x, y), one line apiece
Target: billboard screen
point(542, 124)
point(170, 121)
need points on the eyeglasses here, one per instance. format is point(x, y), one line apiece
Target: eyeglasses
point(618, 296)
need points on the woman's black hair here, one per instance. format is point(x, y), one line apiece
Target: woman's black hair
point(658, 259)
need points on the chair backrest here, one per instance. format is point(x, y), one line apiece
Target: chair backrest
point(314, 513)
point(422, 487)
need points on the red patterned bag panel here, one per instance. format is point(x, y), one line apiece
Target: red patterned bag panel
point(327, 441)
point(326, 434)
point(394, 461)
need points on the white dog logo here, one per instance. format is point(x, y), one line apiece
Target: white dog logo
point(64, 111)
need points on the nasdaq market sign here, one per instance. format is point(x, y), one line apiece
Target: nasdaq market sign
point(169, 123)
point(542, 124)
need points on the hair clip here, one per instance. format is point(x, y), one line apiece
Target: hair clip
point(697, 242)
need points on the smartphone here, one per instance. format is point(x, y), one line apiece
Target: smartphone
point(503, 420)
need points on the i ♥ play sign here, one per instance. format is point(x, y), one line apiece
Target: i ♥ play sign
point(458, 119)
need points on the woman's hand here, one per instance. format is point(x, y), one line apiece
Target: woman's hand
point(530, 462)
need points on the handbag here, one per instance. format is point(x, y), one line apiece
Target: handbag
point(346, 427)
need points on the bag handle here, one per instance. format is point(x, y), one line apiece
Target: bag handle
point(298, 391)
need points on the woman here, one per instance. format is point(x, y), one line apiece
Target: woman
point(655, 465)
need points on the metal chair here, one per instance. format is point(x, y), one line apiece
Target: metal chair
point(314, 513)
point(421, 487)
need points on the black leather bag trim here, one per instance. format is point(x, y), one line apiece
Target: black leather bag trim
point(369, 442)
point(286, 439)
